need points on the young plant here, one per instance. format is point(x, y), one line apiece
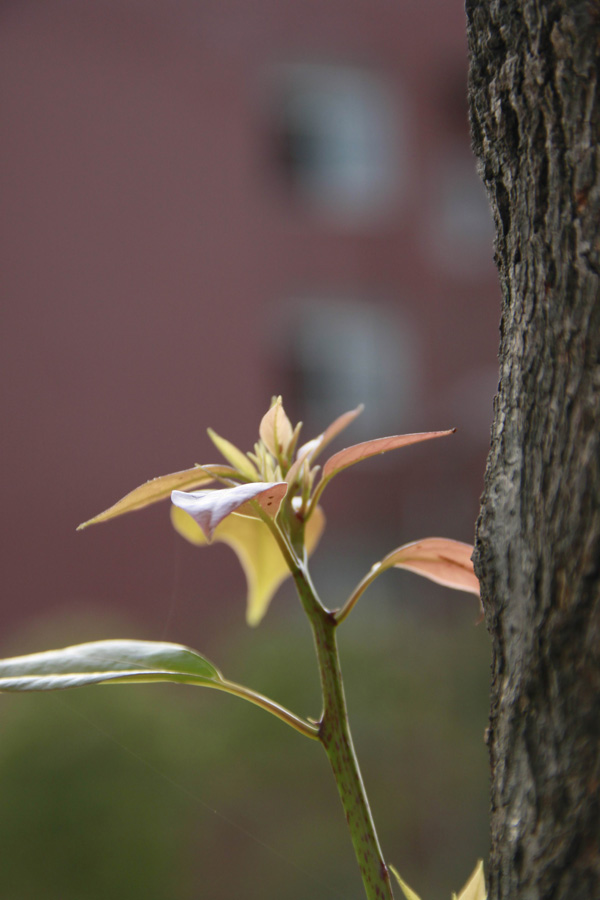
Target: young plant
point(265, 505)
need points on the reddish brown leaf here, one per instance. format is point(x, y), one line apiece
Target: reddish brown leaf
point(358, 452)
point(442, 560)
point(336, 427)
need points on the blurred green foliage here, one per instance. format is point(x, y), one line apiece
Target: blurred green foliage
point(175, 793)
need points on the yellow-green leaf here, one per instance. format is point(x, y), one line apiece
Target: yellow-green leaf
point(441, 560)
point(408, 892)
point(276, 430)
point(154, 490)
point(474, 889)
point(234, 456)
point(256, 549)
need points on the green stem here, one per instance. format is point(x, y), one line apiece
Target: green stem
point(316, 495)
point(358, 591)
point(334, 734)
point(290, 718)
point(287, 551)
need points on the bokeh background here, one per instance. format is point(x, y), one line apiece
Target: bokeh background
point(205, 203)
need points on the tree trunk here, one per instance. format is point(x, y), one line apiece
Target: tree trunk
point(535, 111)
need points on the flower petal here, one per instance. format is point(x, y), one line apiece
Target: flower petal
point(442, 560)
point(158, 489)
point(209, 508)
point(257, 551)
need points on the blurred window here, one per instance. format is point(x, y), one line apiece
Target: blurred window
point(460, 229)
point(336, 140)
point(339, 353)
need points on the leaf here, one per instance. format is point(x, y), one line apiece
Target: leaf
point(234, 456)
point(158, 489)
point(121, 661)
point(276, 430)
point(474, 889)
point(331, 432)
point(301, 459)
point(209, 508)
point(104, 661)
point(408, 892)
point(441, 560)
point(358, 452)
point(257, 551)
point(309, 451)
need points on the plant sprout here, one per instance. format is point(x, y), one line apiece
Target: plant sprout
point(266, 506)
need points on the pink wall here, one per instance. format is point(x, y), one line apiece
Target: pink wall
point(147, 248)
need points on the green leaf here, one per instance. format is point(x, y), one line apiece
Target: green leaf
point(441, 560)
point(209, 508)
point(159, 489)
point(121, 662)
point(256, 549)
point(234, 456)
point(106, 661)
point(408, 892)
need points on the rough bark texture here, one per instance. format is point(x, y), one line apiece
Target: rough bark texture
point(535, 110)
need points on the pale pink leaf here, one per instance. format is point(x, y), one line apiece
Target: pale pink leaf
point(159, 489)
point(358, 452)
point(208, 508)
point(442, 560)
point(276, 429)
point(294, 470)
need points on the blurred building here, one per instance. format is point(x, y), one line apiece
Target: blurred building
point(208, 202)
point(204, 203)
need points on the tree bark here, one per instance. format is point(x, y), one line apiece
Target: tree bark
point(535, 114)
